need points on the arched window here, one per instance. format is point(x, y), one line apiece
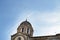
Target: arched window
point(22, 29)
point(28, 30)
point(19, 38)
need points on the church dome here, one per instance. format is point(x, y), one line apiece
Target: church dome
point(25, 27)
point(25, 23)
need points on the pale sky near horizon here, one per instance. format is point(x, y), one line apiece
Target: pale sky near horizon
point(44, 16)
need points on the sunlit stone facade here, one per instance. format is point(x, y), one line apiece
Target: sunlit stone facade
point(25, 32)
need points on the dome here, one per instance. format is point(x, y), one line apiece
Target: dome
point(26, 28)
point(25, 23)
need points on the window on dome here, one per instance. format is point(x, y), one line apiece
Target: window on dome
point(28, 30)
point(22, 29)
point(19, 38)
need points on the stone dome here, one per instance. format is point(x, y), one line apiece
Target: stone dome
point(26, 28)
point(25, 23)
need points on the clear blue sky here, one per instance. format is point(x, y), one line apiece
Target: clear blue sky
point(44, 15)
